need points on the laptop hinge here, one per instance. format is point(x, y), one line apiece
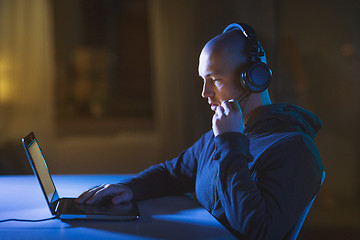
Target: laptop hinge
point(55, 207)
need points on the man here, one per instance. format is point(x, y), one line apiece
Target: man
point(258, 167)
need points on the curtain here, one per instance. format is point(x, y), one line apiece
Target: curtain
point(26, 68)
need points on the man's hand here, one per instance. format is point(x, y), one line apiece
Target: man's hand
point(119, 192)
point(228, 118)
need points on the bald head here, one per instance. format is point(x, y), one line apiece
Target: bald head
point(225, 53)
point(229, 47)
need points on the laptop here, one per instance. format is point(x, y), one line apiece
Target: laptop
point(66, 208)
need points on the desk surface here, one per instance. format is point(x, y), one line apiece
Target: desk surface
point(177, 217)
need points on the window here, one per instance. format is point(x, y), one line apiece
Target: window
point(103, 77)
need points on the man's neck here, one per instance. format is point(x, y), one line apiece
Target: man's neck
point(252, 102)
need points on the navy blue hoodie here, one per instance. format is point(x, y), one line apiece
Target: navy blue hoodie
point(257, 183)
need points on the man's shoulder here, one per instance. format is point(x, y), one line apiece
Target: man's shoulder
point(209, 135)
point(293, 140)
point(203, 141)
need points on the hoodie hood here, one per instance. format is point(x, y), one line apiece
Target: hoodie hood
point(282, 117)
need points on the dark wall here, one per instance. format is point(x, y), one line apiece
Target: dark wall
point(313, 49)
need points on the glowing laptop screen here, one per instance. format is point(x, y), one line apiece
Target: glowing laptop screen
point(42, 170)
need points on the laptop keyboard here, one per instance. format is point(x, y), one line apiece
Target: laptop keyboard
point(70, 206)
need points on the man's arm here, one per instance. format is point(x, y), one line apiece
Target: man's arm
point(170, 178)
point(266, 205)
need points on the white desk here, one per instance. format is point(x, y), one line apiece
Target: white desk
point(176, 217)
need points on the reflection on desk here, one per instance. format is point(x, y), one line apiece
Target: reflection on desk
point(174, 217)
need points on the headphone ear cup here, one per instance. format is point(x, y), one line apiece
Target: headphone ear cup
point(257, 78)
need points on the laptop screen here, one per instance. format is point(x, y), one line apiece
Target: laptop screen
point(42, 170)
point(39, 166)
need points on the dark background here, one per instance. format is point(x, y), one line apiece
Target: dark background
point(125, 92)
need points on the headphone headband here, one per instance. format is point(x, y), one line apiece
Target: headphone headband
point(256, 51)
point(235, 26)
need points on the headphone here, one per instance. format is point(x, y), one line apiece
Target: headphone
point(256, 78)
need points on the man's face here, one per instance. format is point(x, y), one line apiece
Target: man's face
point(221, 79)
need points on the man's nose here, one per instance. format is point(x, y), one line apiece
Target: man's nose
point(207, 90)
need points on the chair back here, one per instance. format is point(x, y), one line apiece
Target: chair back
point(295, 232)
